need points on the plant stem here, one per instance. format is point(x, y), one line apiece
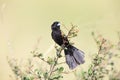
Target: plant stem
point(99, 51)
point(56, 60)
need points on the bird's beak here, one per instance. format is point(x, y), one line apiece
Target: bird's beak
point(58, 24)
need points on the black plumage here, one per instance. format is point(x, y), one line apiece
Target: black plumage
point(73, 55)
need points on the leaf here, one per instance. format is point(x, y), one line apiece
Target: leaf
point(50, 61)
point(38, 72)
point(25, 78)
point(60, 69)
point(90, 70)
point(56, 77)
point(93, 33)
point(112, 63)
point(40, 55)
point(45, 75)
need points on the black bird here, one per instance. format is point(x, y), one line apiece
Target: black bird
point(74, 56)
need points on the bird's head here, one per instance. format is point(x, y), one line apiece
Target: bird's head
point(55, 25)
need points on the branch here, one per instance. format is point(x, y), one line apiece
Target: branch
point(56, 60)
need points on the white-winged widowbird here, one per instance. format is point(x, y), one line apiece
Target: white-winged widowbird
point(74, 56)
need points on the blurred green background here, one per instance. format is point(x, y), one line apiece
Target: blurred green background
point(23, 22)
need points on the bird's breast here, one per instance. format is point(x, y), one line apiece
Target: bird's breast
point(57, 37)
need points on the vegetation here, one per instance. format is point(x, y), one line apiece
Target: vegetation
point(102, 67)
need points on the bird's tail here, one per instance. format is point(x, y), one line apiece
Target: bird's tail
point(74, 56)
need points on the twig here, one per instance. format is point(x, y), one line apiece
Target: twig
point(53, 66)
point(65, 27)
point(56, 60)
point(61, 63)
point(67, 72)
point(119, 35)
point(99, 52)
point(43, 60)
point(70, 31)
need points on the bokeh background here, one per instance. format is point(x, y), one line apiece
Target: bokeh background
point(23, 22)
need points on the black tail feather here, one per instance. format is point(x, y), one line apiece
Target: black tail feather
point(74, 56)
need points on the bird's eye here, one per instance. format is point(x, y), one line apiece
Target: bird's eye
point(58, 24)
